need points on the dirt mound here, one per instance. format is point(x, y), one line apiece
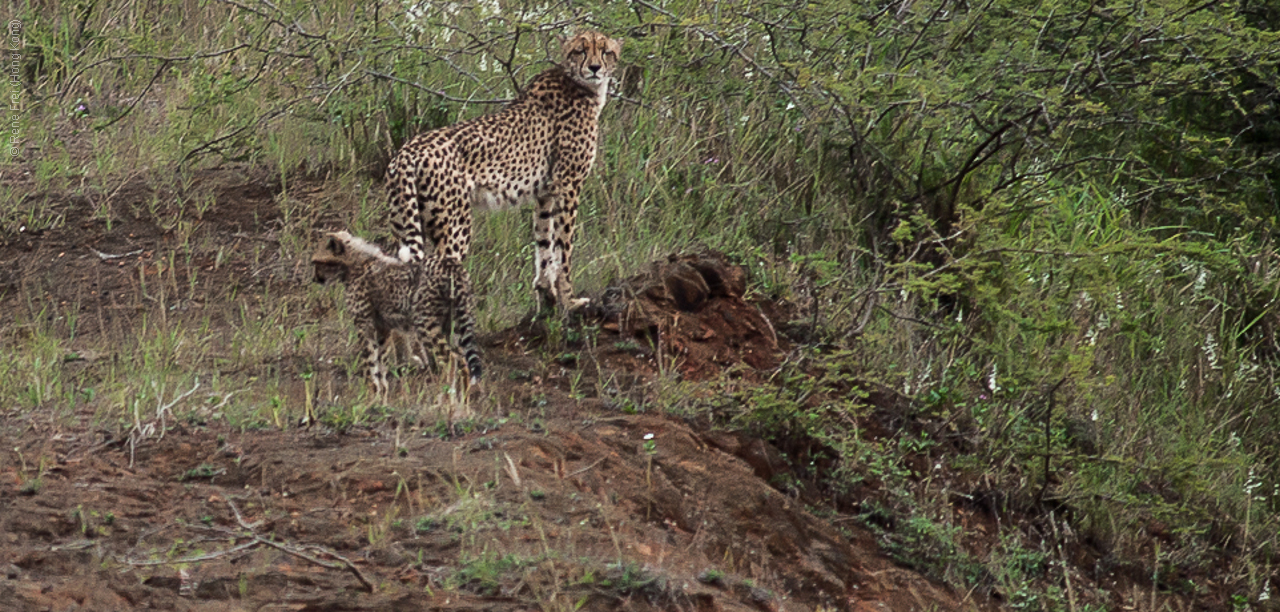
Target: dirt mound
point(636, 510)
point(693, 306)
point(687, 314)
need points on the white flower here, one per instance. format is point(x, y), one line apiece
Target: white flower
point(648, 436)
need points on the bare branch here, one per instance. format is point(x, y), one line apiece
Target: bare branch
point(735, 49)
point(249, 531)
point(194, 559)
point(434, 92)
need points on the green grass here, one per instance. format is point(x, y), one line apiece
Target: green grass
point(1155, 336)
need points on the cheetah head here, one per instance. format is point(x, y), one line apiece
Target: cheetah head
point(590, 58)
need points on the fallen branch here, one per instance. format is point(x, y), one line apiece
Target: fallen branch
point(298, 553)
point(110, 256)
point(196, 558)
point(579, 471)
point(249, 531)
point(142, 431)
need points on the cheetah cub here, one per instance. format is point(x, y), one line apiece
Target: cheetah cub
point(539, 148)
point(420, 299)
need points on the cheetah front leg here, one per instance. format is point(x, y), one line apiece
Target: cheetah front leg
point(553, 231)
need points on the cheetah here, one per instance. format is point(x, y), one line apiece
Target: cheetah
point(539, 148)
point(418, 299)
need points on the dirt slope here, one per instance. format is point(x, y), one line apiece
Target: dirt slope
point(562, 501)
point(509, 519)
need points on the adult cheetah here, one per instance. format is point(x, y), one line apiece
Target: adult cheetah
point(540, 147)
point(421, 300)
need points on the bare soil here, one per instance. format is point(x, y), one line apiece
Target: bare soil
point(565, 500)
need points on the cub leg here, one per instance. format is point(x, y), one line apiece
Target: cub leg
point(375, 349)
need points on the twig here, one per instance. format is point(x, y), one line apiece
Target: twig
point(163, 408)
point(225, 398)
point(280, 109)
point(1048, 416)
point(110, 256)
point(249, 531)
point(342, 82)
point(257, 539)
point(295, 26)
point(240, 518)
point(512, 471)
point(322, 563)
point(140, 431)
point(197, 558)
point(735, 49)
point(167, 59)
point(575, 473)
point(164, 65)
point(434, 92)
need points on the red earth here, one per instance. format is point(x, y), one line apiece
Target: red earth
point(563, 499)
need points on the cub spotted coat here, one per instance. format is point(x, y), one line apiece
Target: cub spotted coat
point(421, 299)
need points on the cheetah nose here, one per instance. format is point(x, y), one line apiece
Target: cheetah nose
point(594, 68)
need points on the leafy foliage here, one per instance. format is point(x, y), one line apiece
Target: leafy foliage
point(1049, 225)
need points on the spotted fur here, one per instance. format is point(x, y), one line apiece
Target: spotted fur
point(421, 299)
point(539, 148)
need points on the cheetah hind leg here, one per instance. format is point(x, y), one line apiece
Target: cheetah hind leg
point(434, 347)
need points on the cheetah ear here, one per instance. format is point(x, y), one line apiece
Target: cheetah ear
point(617, 44)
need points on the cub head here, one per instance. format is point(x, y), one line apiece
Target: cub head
point(590, 58)
point(341, 254)
point(332, 260)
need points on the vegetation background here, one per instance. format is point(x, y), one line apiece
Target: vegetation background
point(1049, 224)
